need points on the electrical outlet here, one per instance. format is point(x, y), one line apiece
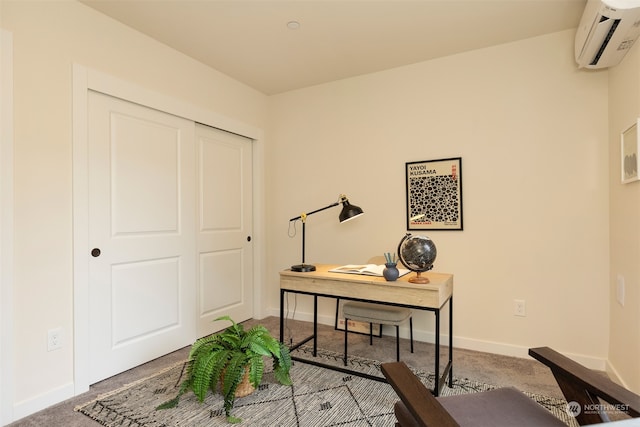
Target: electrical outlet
point(519, 308)
point(54, 339)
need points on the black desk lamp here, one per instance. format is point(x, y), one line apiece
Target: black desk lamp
point(348, 212)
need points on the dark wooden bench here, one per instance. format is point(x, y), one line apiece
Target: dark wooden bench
point(587, 390)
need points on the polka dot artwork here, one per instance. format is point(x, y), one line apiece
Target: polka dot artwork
point(434, 195)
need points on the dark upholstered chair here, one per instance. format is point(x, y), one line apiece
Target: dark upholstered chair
point(507, 406)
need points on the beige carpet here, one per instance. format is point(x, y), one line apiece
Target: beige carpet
point(524, 374)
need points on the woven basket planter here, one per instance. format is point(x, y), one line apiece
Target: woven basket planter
point(245, 388)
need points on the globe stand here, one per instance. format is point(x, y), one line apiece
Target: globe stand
point(419, 279)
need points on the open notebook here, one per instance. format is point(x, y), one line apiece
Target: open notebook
point(365, 269)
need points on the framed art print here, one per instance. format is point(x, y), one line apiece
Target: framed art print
point(629, 154)
point(434, 194)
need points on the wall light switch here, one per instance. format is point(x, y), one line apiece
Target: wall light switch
point(519, 308)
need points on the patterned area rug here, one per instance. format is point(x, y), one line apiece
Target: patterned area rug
point(319, 398)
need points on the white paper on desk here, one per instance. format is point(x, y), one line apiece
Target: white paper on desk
point(365, 269)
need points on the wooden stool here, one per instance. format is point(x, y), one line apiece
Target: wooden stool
point(376, 313)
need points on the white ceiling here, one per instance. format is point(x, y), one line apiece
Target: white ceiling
point(250, 40)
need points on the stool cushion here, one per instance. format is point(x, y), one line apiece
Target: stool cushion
point(375, 313)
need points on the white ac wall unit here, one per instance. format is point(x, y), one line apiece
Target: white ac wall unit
point(607, 31)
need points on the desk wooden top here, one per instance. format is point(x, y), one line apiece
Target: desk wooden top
point(371, 288)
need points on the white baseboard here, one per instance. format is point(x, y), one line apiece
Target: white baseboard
point(615, 376)
point(42, 401)
point(503, 349)
point(491, 347)
point(523, 351)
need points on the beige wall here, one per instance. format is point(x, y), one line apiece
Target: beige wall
point(624, 110)
point(48, 38)
point(532, 133)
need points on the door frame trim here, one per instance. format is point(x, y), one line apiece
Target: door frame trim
point(84, 80)
point(6, 228)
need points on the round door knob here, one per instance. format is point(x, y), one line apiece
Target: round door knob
point(95, 252)
point(248, 238)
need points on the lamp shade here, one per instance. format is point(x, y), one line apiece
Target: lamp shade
point(349, 211)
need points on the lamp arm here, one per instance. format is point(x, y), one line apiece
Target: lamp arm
point(348, 212)
point(316, 211)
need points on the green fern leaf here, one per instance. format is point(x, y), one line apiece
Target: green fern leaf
point(219, 365)
point(169, 404)
point(234, 328)
point(282, 378)
point(285, 355)
point(282, 365)
point(233, 374)
point(197, 346)
point(258, 346)
point(273, 345)
point(257, 332)
point(203, 370)
point(230, 341)
point(259, 340)
point(184, 387)
point(223, 318)
point(256, 370)
point(233, 420)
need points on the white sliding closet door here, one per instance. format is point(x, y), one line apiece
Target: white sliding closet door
point(142, 222)
point(225, 247)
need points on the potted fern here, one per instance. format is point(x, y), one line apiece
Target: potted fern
point(227, 358)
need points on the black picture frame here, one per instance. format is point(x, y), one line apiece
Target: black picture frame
point(434, 194)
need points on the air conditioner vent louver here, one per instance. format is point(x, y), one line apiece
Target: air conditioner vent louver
point(605, 43)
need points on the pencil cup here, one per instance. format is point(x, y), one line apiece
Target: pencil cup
point(390, 272)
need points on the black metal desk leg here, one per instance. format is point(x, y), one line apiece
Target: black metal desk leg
point(315, 325)
point(282, 315)
point(436, 389)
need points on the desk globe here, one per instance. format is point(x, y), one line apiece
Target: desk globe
point(417, 253)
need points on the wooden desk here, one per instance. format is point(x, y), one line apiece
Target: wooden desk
point(322, 283)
